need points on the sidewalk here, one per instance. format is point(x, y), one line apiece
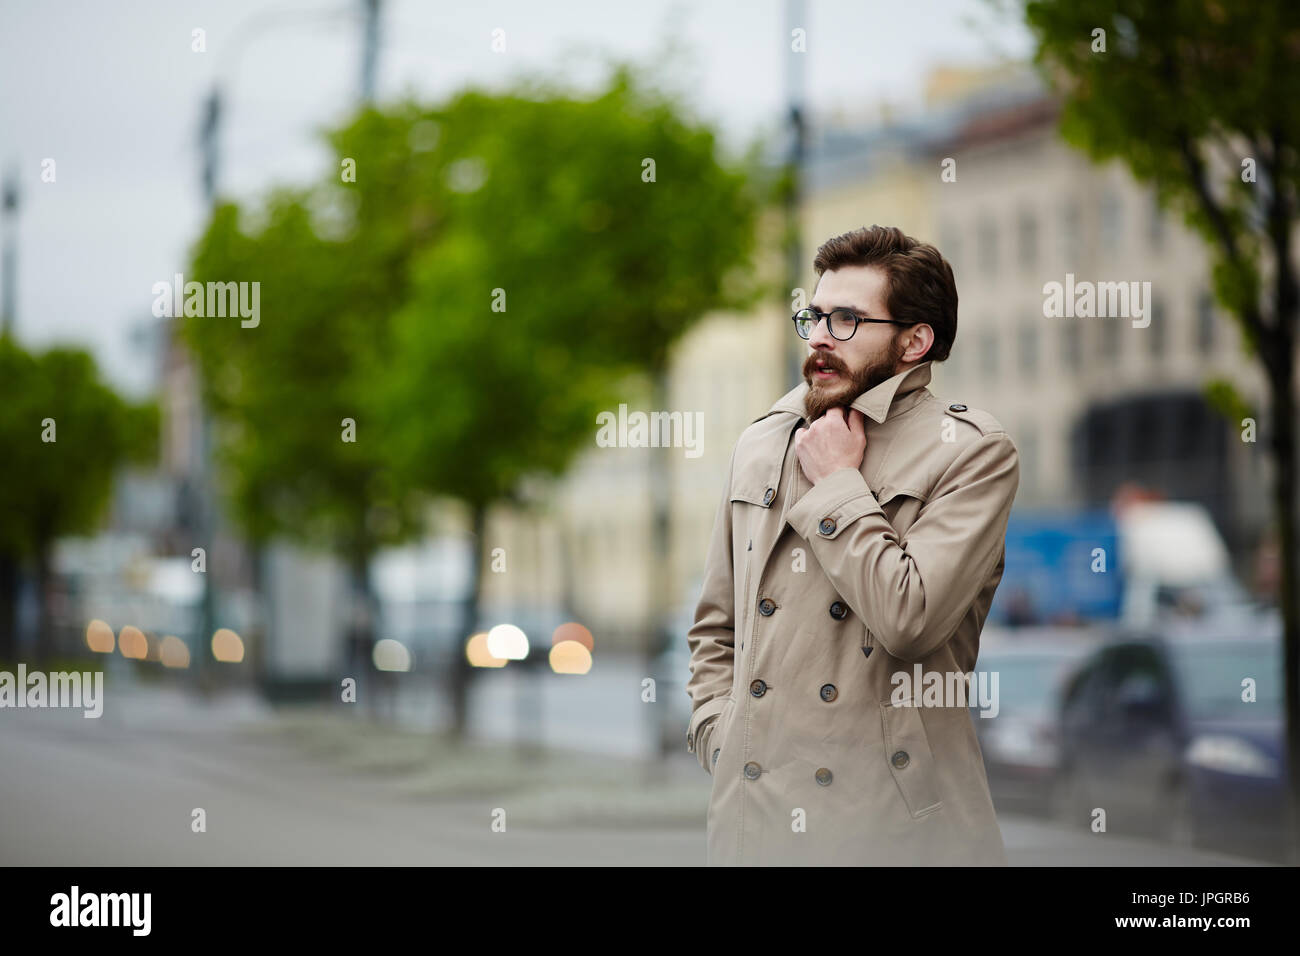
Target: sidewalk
point(325, 786)
point(555, 787)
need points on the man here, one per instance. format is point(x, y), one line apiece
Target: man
point(856, 548)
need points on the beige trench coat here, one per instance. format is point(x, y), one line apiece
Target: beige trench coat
point(813, 599)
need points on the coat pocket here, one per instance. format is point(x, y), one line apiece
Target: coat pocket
point(907, 750)
point(718, 733)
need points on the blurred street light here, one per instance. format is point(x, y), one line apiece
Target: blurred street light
point(390, 655)
point(99, 637)
point(132, 643)
point(508, 641)
point(227, 646)
point(570, 657)
point(478, 655)
point(174, 653)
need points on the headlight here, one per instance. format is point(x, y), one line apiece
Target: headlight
point(1014, 739)
point(1230, 755)
point(1021, 742)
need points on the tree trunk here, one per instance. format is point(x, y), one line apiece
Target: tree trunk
point(8, 608)
point(256, 648)
point(662, 592)
point(460, 673)
point(1281, 364)
point(361, 628)
point(45, 649)
point(1284, 494)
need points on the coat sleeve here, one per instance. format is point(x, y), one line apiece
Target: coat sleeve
point(712, 638)
point(913, 593)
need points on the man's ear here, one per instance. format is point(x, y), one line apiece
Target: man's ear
point(919, 344)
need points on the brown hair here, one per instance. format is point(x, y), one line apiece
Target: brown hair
point(919, 283)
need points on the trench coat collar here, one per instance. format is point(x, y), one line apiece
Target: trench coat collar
point(875, 403)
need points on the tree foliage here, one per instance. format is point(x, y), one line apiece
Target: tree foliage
point(62, 487)
point(378, 295)
point(1199, 97)
point(1185, 92)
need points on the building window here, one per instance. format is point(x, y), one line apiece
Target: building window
point(987, 240)
point(989, 353)
point(1111, 222)
point(1072, 344)
point(1156, 224)
point(1205, 323)
point(1071, 234)
point(1157, 329)
point(1108, 345)
point(949, 245)
point(1027, 239)
point(1027, 446)
point(1029, 348)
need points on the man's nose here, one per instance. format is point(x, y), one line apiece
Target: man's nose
point(821, 336)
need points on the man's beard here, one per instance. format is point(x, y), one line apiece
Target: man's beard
point(822, 397)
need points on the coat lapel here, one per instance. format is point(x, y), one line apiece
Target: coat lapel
point(766, 472)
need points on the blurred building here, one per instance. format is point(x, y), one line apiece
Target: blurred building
point(589, 554)
point(1094, 404)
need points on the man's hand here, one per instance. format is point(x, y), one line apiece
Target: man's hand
point(836, 440)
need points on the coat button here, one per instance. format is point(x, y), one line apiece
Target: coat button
point(900, 759)
point(824, 776)
point(829, 693)
point(827, 526)
point(768, 496)
point(757, 688)
point(956, 407)
point(766, 607)
point(839, 611)
point(752, 770)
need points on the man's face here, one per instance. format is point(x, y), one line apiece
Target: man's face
point(838, 371)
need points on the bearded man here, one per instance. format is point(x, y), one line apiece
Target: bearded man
point(861, 533)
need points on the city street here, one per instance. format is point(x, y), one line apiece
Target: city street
point(316, 787)
point(86, 792)
point(426, 420)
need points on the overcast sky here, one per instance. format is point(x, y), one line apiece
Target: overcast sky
point(112, 92)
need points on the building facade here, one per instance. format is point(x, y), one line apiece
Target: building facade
point(1094, 404)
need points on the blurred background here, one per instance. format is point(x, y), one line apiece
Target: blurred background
point(337, 521)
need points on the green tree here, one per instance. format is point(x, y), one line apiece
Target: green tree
point(1202, 99)
point(608, 224)
point(67, 433)
point(579, 239)
point(299, 455)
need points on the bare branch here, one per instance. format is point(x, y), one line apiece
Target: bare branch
point(1226, 238)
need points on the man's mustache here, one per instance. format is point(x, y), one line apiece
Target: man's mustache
point(827, 363)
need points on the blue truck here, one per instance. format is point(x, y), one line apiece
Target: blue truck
point(1132, 567)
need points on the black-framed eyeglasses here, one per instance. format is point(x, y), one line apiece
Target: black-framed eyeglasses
point(841, 322)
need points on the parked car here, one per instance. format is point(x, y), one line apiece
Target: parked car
point(1159, 730)
point(1019, 741)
